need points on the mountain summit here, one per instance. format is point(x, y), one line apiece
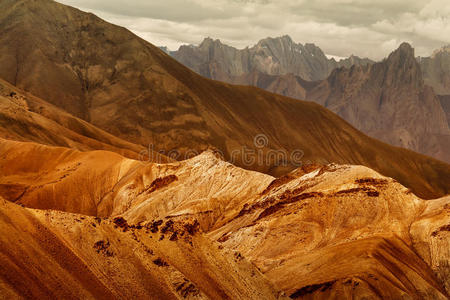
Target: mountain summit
point(387, 100)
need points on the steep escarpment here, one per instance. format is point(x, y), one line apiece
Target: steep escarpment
point(129, 88)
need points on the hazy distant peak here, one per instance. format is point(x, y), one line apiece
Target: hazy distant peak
point(283, 38)
point(165, 49)
point(405, 46)
point(404, 52)
point(207, 42)
point(444, 49)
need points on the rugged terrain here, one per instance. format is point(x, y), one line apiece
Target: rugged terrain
point(271, 56)
point(376, 98)
point(51, 254)
point(205, 228)
point(445, 103)
point(120, 83)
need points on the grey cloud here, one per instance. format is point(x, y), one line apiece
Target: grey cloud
point(339, 27)
point(171, 10)
point(356, 12)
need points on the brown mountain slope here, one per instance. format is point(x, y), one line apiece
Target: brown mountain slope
point(24, 117)
point(345, 234)
point(131, 89)
point(50, 254)
point(288, 85)
point(319, 232)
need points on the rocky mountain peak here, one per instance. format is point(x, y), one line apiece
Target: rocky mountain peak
point(404, 52)
point(209, 42)
point(285, 39)
point(402, 67)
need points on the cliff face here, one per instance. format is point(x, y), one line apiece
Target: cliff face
point(271, 56)
point(390, 101)
point(436, 70)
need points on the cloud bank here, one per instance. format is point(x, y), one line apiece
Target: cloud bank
point(340, 27)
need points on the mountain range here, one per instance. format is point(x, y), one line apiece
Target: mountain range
point(404, 113)
point(272, 56)
point(124, 174)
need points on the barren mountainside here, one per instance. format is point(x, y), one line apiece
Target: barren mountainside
point(120, 83)
point(24, 117)
point(334, 231)
point(51, 254)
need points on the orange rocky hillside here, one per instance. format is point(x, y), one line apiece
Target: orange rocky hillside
point(336, 231)
point(24, 117)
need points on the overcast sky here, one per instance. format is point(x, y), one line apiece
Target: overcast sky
point(367, 28)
